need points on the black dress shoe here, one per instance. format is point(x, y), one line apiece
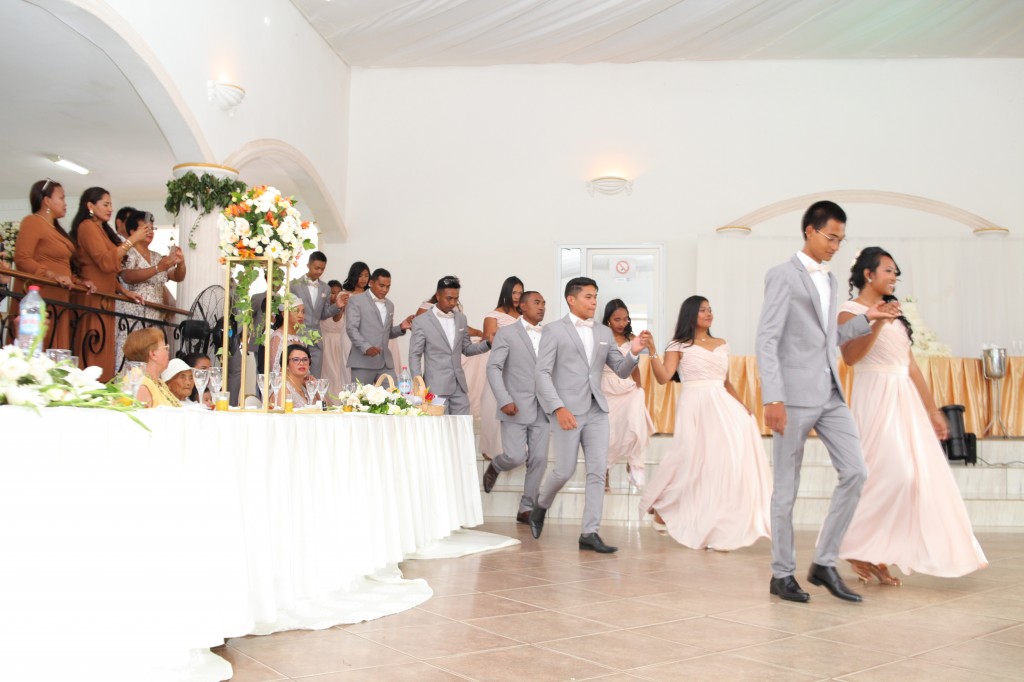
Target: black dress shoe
point(829, 577)
point(788, 588)
point(523, 517)
point(594, 542)
point(490, 477)
point(537, 520)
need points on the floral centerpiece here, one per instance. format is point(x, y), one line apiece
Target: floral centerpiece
point(376, 400)
point(8, 236)
point(258, 223)
point(37, 381)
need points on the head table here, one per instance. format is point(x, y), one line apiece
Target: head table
point(128, 553)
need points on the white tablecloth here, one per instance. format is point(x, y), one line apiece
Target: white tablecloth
point(132, 552)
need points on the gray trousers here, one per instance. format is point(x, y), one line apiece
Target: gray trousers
point(837, 430)
point(525, 444)
point(370, 376)
point(592, 433)
point(456, 403)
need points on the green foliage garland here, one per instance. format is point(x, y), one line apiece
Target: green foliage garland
point(205, 193)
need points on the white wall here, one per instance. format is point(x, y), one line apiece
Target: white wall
point(480, 172)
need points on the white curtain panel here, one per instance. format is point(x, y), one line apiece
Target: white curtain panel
point(968, 290)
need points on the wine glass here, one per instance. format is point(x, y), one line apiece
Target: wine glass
point(275, 385)
point(260, 378)
point(310, 388)
point(216, 379)
point(202, 377)
point(321, 387)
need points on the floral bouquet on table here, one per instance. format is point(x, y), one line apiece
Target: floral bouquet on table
point(261, 223)
point(376, 400)
point(8, 237)
point(37, 381)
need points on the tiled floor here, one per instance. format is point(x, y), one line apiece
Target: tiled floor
point(657, 611)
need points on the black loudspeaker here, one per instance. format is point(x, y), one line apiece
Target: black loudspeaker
point(959, 445)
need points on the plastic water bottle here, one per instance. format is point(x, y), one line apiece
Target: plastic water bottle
point(30, 320)
point(405, 382)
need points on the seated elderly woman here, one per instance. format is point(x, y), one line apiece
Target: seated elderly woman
point(296, 375)
point(182, 383)
point(149, 345)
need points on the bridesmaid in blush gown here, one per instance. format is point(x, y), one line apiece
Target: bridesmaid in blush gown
point(712, 487)
point(910, 512)
point(504, 314)
point(332, 331)
point(629, 424)
point(356, 282)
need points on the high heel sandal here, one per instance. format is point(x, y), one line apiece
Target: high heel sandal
point(881, 572)
point(863, 570)
point(658, 523)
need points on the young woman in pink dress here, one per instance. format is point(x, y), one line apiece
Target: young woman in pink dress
point(332, 336)
point(356, 282)
point(712, 488)
point(504, 314)
point(629, 424)
point(910, 512)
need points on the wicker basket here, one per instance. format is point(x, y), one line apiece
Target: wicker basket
point(381, 380)
point(419, 389)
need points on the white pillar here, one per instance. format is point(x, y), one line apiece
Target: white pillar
point(203, 269)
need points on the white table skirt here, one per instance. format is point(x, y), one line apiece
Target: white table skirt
point(123, 549)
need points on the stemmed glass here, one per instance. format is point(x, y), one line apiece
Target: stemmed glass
point(216, 379)
point(275, 385)
point(202, 377)
point(260, 378)
point(321, 387)
point(310, 388)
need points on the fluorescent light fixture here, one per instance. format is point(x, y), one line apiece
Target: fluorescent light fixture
point(66, 163)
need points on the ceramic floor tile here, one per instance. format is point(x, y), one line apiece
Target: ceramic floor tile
point(794, 618)
point(712, 634)
point(880, 635)
point(626, 586)
point(993, 658)
point(624, 649)
point(722, 668)
point(433, 641)
point(415, 616)
point(246, 669)
point(554, 596)
point(916, 670)
point(629, 613)
point(1013, 635)
point(467, 606)
point(816, 656)
point(335, 651)
point(540, 626)
point(408, 672)
point(519, 664)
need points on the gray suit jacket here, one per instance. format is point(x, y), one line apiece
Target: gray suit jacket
point(563, 377)
point(431, 357)
point(796, 355)
point(512, 373)
point(319, 307)
point(364, 327)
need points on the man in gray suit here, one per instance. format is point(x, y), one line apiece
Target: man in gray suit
point(439, 340)
point(573, 352)
point(369, 322)
point(511, 373)
point(319, 303)
point(797, 339)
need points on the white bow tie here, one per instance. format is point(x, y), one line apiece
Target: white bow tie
point(531, 327)
point(448, 315)
point(817, 267)
point(585, 323)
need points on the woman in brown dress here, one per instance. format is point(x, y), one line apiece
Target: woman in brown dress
point(44, 249)
point(100, 253)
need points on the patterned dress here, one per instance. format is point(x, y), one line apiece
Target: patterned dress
point(151, 290)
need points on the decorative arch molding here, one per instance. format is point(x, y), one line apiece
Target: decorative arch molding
point(95, 21)
point(303, 173)
point(977, 224)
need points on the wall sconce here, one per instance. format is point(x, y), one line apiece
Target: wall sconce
point(225, 95)
point(991, 232)
point(610, 184)
point(733, 231)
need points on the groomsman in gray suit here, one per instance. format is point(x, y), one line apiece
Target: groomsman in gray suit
point(439, 340)
point(511, 372)
point(369, 322)
point(573, 352)
point(319, 303)
point(797, 339)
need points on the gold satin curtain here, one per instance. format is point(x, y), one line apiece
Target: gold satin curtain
point(954, 381)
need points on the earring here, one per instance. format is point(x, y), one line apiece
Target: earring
point(90, 213)
point(47, 211)
point(870, 280)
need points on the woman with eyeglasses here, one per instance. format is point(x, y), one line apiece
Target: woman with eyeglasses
point(145, 273)
point(45, 249)
point(296, 375)
point(910, 512)
point(100, 252)
point(149, 345)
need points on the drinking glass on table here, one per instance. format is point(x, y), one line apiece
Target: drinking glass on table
point(260, 378)
point(202, 377)
point(275, 385)
point(216, 379)
point(321, 388)
point(310, 388)
point(133, 373)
